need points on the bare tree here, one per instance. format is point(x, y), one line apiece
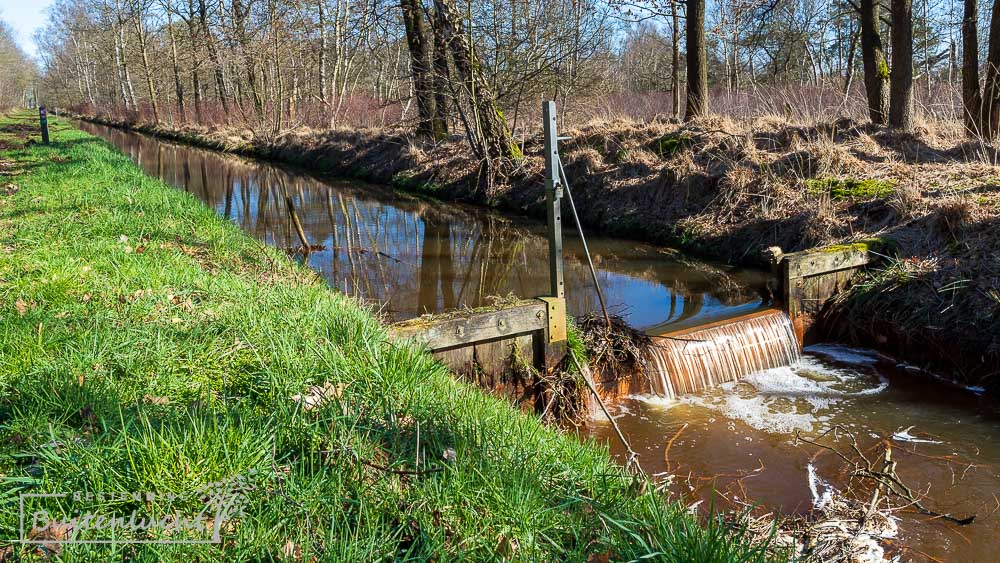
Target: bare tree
point(901, 74)
point(697, 61)
point(875, 66)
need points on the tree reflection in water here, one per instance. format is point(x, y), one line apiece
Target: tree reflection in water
point(413, 256)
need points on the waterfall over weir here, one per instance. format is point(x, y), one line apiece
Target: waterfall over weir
point(704, 356)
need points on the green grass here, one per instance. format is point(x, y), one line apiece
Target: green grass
point(148, 345)
point(672, 143)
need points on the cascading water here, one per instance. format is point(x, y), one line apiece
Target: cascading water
point(702, 357)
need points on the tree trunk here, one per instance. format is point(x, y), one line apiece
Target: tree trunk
point(849, 73)
point(972, 100)
point(195, 62)
point(991, 92)
point(697, 61)
point(493, 136)
point(140, 30)
point(416, 40)
point(442, 76)
point(901, 75)
point(675, 59)
point(213, 53)
point(875, 66)
point(248, 53)
point(178, 84)
point(121, 74)
point(322, 51)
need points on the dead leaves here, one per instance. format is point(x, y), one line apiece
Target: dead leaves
point(23, 307)
point(198, 253)
point(291, 552)
point(129, 249)
point(155, 400)
point(506, 547)
point(318, 395)
point(51, 536)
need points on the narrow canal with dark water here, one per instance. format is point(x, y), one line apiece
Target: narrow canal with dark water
point(734, 445)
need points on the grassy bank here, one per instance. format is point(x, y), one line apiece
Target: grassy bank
point(148, 345)
point(729, 189)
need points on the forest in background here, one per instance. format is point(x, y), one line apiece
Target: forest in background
point(480, 67)
point(17, 71)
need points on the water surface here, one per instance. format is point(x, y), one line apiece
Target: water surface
point(735, 445)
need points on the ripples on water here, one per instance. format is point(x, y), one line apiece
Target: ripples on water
point(739, 441)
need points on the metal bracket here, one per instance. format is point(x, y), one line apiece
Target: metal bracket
point(556, 318)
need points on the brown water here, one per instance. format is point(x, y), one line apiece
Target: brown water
point(739, 444)
point(412, 255)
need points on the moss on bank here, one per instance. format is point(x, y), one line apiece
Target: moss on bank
point(850, 188)
point(147, 344)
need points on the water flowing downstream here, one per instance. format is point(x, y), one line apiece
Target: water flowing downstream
point(701, 358)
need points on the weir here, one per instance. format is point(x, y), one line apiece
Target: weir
point(705, 356)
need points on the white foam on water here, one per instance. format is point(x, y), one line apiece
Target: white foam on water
point(756, 412)
point(786, 399)
point(905, 436)
point(655, 400)
point(820, 499)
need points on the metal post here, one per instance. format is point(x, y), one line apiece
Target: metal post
point(43, 118)
point(553, 197)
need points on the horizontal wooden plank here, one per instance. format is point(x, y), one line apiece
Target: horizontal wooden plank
point(824, 260)
point(457, 329)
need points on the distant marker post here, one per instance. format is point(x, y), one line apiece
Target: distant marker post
point(43, 118)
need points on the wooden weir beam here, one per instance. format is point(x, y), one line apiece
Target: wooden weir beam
point(462, 329)
point(483, 345)
point(810, 278)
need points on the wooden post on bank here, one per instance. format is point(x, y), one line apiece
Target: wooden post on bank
point(44, 120)
point(553, 197)
point(555, 345)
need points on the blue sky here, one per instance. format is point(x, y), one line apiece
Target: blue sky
point(24, 16)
